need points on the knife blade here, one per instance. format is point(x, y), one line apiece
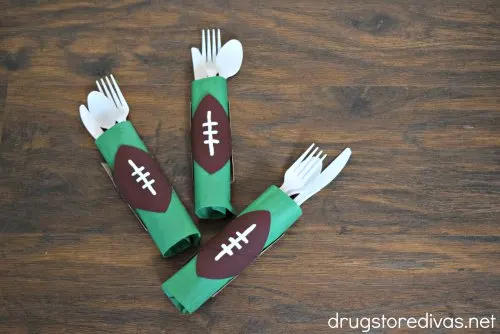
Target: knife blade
point(327, 176)
point(90, 123)
point(198, 64)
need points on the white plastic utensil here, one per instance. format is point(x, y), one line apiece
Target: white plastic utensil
point(300, 172)
point(198, 64)
point(116, 96)
point(327, 176)
point(90, 123)
point(229, 58)
point(103, 109)
point(209, 51)
point(317, 166)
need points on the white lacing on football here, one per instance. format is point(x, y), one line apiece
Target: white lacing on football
point(227, 249)
point(143, 177)
point(210, 132)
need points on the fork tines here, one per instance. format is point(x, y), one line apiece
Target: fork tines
point(303, 162)
point(210, 45)
point(306, 166)
point(112, 91)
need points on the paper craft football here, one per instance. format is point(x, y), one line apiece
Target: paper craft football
point(140, 180)
point(235, 247)
point(211, 135)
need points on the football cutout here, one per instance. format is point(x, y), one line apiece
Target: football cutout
point(140, 180)
point(230, 251)
point(210, 135)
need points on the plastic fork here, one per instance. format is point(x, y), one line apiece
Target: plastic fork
point(317, 166)
point(113, 92)
point(326, 176)
point(209, 49)
point(301, 171)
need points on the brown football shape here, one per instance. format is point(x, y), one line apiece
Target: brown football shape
point(210, 135)
point(235, 247)
point(140, 180)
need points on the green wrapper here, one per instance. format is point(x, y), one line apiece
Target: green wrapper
point(173, 230)
point(188, 291)
point(212, 191)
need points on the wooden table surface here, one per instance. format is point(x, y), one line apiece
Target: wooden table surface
point(410, 226)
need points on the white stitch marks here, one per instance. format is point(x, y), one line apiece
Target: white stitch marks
point(210, 133)
point(227, 249)
point(142, 177)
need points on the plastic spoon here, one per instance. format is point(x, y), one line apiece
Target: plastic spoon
point(103, 109)
point(230, 58)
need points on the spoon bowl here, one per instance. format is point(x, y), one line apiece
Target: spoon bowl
point(229, 58)
point(103, 109)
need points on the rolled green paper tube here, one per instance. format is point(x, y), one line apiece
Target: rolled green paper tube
point(155, 203)
point(211, 148)
point(227, 254)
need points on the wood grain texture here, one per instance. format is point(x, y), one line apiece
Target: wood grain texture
point(3, 95)
point(411, 225)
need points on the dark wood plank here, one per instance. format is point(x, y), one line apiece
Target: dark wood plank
point(3, 95)
point(411, 225)
point(327, 42)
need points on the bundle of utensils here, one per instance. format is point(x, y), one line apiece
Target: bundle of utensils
point(262, 223)
point(306, 176)
point(106, 107)
point(135, 172)
point(215, 59)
